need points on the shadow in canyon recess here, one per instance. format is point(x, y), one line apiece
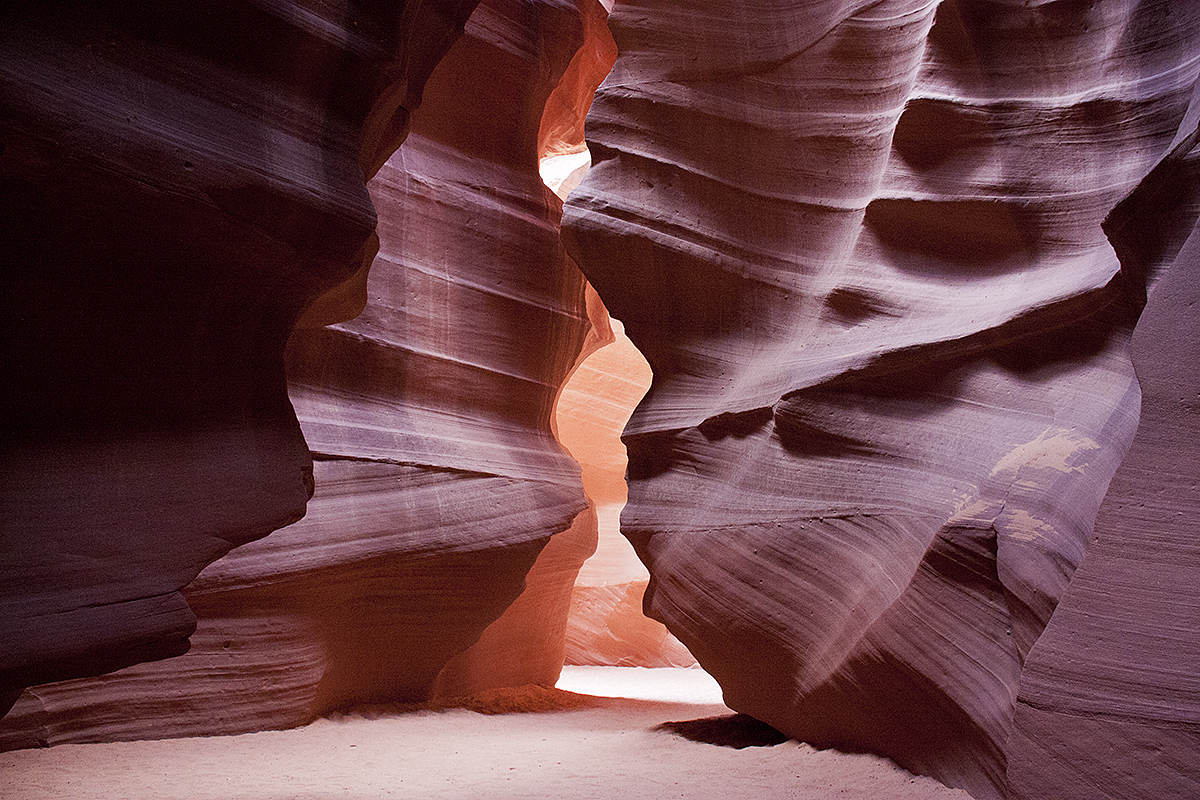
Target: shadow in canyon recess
point(738, 731)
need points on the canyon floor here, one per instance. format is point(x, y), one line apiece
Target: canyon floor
point(600, 734)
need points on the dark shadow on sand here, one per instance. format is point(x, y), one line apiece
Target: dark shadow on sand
point(733, 730)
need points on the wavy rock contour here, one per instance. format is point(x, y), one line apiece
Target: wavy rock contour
point(860, 245)
point(177, 187)
point(1109, 704)
point(438, 478)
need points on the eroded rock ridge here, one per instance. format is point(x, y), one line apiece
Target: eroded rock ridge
point(861, 247)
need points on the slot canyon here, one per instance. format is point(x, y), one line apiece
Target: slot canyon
point(313, 405)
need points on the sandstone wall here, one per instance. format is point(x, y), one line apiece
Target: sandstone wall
point(1109, 703)
point(888, 261)
point(606, 625)
point(860, 245)
point(177, 187)
point(438, 478)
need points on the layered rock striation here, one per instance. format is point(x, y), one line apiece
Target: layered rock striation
point(1109, 703)
point(887, 259)
point(177, 187)
point(861, 247)
point(606, 625)
point(438, 478)
point(442, 389)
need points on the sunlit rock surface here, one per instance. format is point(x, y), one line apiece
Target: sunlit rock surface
point(176, 187)
point(439, 481)
point(606, 625)
point(527, 644)
point(860, 245)
point(474, 318)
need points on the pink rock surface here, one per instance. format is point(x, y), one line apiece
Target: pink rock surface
point(177, 187)
point(529, 642)
point(606, 625)
point(863, 246)
point(860, 245)
point(439, 480)
point(1109, 704)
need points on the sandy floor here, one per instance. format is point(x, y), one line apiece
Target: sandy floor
point(550, 744)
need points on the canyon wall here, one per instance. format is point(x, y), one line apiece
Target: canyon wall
point(438, 478)
point(861, 247)
point(907, 273)
point(606, 626)
point(178, 186)
point(1109, 704)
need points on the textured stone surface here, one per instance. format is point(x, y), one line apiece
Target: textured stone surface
point(606, 625)
point(860, 245)
point(459, 356)
point(203, 693)
point(176, 187)
point(474, 318)
point(1109, 704)
point(528, 644)
point(438, 477)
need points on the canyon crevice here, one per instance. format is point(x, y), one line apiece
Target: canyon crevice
point(916, 470)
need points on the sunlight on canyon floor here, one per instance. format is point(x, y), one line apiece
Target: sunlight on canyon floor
point(667, 685)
